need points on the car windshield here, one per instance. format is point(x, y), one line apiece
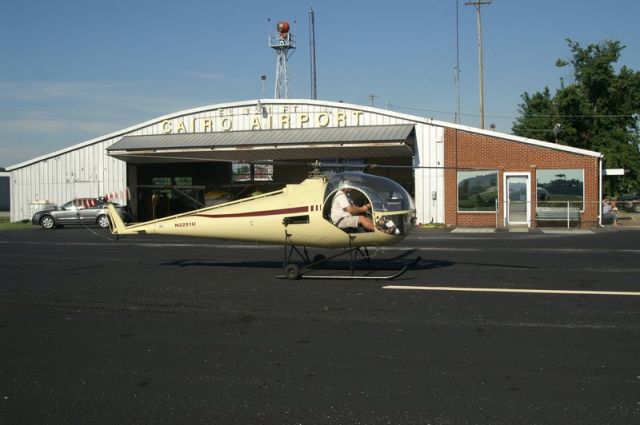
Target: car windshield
point(384, 194)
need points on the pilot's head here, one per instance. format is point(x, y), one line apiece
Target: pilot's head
point(345, 184)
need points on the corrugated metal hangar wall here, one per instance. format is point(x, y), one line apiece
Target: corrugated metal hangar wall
point(87, 170)
point(203, 141)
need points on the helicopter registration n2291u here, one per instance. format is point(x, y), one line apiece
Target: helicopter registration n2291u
point(299, 216)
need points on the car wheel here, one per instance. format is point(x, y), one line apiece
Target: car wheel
point(47, 222)
point(103, 221)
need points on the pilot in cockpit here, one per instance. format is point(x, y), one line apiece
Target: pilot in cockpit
point(346, 214)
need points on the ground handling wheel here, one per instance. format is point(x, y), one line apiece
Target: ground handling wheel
point(292, 271)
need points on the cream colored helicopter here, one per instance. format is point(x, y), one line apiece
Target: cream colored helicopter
point(297, 216)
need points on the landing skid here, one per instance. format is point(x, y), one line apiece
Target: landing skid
point(353, 276)
point(293, 271)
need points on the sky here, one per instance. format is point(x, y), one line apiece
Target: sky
point(73, 70)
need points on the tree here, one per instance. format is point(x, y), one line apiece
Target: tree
point(599, 110)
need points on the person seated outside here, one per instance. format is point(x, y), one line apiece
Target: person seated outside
point(346, 215)
point(609, 212)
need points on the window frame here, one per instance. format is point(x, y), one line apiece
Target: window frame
point(484, 171)
point(251, 174)
point(557, 172)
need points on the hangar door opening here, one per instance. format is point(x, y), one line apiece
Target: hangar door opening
point(172, 159)
point(172, 188)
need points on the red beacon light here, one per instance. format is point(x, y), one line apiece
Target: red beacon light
point(283, 28)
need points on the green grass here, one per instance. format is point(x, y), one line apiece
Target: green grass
point(7, 225)
point(433, 226)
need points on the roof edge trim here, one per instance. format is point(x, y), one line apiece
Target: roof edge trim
point(253, 102)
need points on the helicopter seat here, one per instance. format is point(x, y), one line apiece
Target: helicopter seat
point(326, 213)
point(326, 210)
point(357, 229)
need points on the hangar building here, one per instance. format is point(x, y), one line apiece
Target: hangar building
point(459, 175)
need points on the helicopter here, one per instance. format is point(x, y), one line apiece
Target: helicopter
point(298, 217)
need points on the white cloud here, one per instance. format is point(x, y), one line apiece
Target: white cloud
point(84, 97)
point(55, 126)
point(71, 112)
point(35, 91)
point(206, 76)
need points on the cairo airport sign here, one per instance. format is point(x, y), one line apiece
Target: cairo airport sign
point(269, 118)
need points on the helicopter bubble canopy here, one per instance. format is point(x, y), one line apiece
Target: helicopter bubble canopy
point(384, 194)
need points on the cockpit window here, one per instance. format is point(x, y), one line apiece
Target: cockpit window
point(384, 194)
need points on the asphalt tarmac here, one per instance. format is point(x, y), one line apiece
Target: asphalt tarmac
point(158, 330)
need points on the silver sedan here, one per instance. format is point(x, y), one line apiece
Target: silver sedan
point(80, 211)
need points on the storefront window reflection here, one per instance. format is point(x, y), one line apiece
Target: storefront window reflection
point(477, 190)
point(558, 186)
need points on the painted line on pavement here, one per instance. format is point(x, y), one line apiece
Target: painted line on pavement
point(512, 290)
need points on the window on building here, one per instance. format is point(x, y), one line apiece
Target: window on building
point(477, 190)
point(558, 186)
point(246, 172)
point(183, 181)
point(340, 165)
point(162, 183)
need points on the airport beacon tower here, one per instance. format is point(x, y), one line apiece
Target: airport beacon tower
point(284, 44)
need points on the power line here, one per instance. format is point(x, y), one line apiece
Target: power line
point(584, 116)
point(541, 130)
point(471, 114)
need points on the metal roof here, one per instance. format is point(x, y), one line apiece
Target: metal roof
point(303, 103)
point(314, 143)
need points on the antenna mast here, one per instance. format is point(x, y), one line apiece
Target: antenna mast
point(284, 44)
point(312, 49)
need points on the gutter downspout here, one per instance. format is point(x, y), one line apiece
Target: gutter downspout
point(600, 193)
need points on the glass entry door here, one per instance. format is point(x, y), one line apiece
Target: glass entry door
point(517, 208)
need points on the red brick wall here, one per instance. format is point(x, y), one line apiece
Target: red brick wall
point(463, 149)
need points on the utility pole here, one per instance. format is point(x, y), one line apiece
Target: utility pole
point(457, 75)
point(478, 4)
point(372, 96)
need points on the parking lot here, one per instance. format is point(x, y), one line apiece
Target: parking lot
point(487, 328)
